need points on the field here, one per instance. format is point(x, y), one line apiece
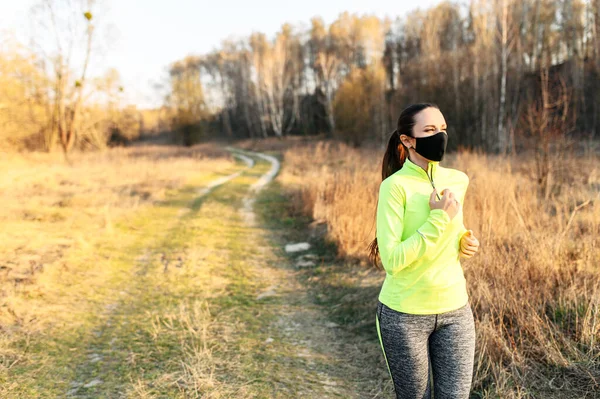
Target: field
point(160, 272)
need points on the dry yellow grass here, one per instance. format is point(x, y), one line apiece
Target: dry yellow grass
point(57, 221)
point(48, 206)
point(104, 290)
point(535, 283)
point(165, 300)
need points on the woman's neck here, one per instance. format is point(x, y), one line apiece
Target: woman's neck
point(418, 159)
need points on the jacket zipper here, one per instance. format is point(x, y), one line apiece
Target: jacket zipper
point(429, 167)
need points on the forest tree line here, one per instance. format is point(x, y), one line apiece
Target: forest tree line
point(503, 72)
point(498, 69)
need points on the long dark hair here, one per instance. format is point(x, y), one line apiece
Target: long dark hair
point(395, 155)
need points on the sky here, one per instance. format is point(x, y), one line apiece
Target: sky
point(145, 36)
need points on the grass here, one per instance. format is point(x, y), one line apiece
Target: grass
point(165, 302)
point(66, 310)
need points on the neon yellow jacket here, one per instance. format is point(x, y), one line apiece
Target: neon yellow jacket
point(419, 247)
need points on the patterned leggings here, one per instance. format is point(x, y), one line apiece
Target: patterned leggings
point(416, 346)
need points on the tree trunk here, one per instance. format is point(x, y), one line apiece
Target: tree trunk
point(504, 57)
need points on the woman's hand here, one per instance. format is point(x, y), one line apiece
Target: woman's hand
point(448, 203)
point(469, 244)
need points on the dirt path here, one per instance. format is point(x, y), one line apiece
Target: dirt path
point(199, 303)
point(317, 365)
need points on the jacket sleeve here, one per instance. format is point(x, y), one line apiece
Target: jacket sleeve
point(395, 253)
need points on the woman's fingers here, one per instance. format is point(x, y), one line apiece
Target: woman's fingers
point(471, 239)
point(469, 245)
point(469, 248)
point(472, 248)
point(466, 247)
point(432, 196)
point(469, 252)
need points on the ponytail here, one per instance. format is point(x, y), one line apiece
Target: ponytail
point(394, 157)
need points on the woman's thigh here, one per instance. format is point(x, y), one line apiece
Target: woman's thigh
point(403, 338)
point(452, 353)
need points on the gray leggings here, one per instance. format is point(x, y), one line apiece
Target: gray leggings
point(416, 346)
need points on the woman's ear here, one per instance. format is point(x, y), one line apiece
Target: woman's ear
point(406, 145)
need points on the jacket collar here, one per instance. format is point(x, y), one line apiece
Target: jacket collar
point(432, 167)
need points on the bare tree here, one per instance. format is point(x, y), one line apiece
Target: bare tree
point(278, 77)
point(326, 66)
point(549, 120)
point(65, 40)
point(215, 65)
point(187, 98)
point(259, 48)
point(505, 49)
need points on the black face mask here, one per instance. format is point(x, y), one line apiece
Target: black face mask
point(432, 147)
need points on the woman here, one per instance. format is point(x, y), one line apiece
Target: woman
point(424, 320)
